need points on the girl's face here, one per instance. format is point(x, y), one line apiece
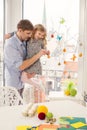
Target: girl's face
point(39, 35)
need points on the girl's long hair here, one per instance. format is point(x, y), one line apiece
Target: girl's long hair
point(40, 27)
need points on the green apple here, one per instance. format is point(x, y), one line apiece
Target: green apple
point(73, 92)
point(49, 115)
point(70, 85)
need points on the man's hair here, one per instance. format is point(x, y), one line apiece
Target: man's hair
point(25, 24)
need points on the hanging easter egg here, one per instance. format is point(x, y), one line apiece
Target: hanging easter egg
point(59, 63)
point(64, 50)
point(69, 76)
point(65, 62)
point(52, 35)
point(80, 44)
point(80, 54)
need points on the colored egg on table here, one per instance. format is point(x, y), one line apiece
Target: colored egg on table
point(42, 108)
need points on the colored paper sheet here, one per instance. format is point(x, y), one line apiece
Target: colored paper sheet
point(78, 124)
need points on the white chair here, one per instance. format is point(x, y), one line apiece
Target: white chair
point(9, 96)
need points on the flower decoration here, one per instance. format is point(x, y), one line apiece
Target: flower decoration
point(73, 57)
point(59, 37)
point(62, 21)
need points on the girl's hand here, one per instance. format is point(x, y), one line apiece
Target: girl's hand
point(43, 52)
point(48, 52)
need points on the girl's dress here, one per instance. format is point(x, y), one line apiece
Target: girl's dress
point(33, 47)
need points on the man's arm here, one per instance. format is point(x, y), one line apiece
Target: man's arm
point(27, 63)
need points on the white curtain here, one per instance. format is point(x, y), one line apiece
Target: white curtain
point(13, 13)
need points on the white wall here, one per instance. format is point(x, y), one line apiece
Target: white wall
point(13, 13)
point(82, 73)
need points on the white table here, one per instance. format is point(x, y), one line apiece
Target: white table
point(10, 117)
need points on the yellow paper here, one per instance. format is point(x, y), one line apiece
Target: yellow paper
point(78, 124)
point(24, 127)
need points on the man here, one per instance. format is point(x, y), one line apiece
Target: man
point(15, 53)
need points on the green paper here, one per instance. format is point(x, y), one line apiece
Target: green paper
point(66, 128)
point(72, 120)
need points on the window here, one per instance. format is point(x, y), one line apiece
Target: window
point(61, 19)
point(1, 42)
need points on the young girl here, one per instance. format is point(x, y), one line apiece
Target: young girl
point(37, 42)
